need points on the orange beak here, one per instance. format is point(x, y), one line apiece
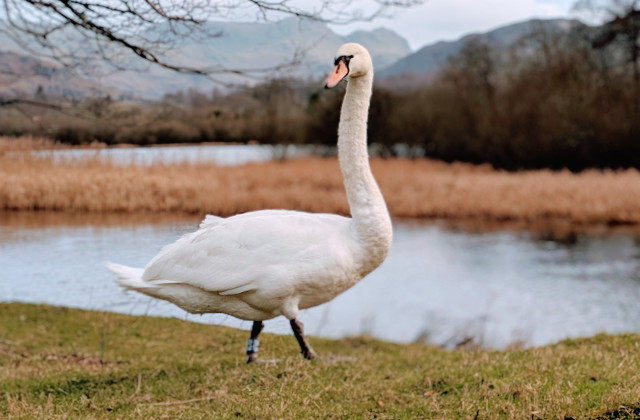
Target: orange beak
point(340, 71)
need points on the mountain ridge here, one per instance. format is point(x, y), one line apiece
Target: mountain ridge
point(247, 45)
point(431, 58)
point(256, 47)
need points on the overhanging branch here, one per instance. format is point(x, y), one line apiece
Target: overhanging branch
point(115, 27)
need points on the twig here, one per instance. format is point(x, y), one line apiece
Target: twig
point(8, 102)
point(137, 391)
point(183, 402)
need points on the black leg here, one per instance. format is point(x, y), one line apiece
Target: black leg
point(305, 348)
point(253, 344)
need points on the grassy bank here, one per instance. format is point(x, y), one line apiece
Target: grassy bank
point(423, 189)
point(67, 363)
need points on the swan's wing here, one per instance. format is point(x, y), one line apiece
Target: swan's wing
point(268, 249)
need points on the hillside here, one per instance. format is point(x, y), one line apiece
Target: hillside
point(258, 48)
point(234, 45)
point(24, 76)
point(431, 58)
point(264, 50)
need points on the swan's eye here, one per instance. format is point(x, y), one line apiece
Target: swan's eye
point(344, 58)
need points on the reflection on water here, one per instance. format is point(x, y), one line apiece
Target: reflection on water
point(439, 285)
point(219, 154)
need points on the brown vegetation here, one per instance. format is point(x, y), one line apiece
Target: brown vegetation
point(423, 189)
point(26, 143)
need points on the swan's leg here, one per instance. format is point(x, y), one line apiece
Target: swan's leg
point(253, 344)
point(305, 348)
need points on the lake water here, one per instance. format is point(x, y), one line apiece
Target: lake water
point(438, 285)
point(219, 154)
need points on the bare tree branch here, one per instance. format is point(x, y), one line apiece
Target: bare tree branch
point(150, 29)
point(18, 101)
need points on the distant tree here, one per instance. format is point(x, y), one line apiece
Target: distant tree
point(113, 28)
point(621, 27)
point(40, 95)
point(470, 78)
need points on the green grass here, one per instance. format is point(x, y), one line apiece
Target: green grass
point(68, 363)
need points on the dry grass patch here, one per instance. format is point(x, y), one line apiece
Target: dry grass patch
point(413, 188)
point(25, 143)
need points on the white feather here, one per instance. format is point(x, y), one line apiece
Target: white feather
point(210, 220)
point(128, 277)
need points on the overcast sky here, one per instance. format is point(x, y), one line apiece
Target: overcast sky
point(438, 20)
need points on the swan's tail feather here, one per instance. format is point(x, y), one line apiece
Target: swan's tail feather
point(129, 277)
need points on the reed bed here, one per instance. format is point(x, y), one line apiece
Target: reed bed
point(423, 189)
point(26, 143)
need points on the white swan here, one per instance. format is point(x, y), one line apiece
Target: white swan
point(259, 265)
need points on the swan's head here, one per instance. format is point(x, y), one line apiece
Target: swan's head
point(352, 60)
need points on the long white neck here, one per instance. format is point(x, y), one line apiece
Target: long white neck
point(369, 213)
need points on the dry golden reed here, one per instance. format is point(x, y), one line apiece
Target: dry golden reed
point(25, 143)
point(423, 189)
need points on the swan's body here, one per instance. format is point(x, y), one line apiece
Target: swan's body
point(255, 266)
point(263, 264)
